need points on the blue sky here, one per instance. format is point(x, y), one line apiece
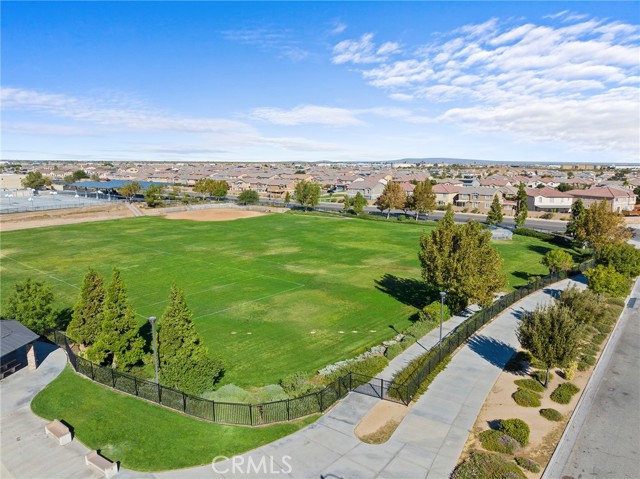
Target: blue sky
point(291, 81)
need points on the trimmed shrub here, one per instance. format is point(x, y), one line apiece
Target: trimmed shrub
point(547, 216)
point(370, 366)
point(527, 464)
point(393, 350)
point(497, 441)
point(530, 384)
point(431, 312)
point(551, 414)
point(540, 375)
point(517, 429)
point(482, 465)
point(564, 393)
point(526, 398)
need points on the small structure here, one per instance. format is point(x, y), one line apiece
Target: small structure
point(16, 347)
point(59, 431)
point(501, 234)
point(104, 465)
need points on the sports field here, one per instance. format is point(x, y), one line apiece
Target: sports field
point(271, 295)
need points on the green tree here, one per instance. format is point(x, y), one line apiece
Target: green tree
point(636, 191)
point(130, 190)
point(346, 204)
point(184, 361)
point(600, 227)
point(95, 177)
point(495, 213)
point(459, 259)
point(35, 181)
point(287, 198)
point(557, 260)
point(119, 341)
point(552, 335)
point(521, 206)
point(358, 203)
point(153, 195)
point(606, 280)
point(31, 304)
point(625, 258)
point(307, 194)
point(564, 187)
point(423, 199)
point(248, 197)
point(577, 216)
point(219, 189)
point(86, 321)
point(586, 306)
point(392, 197)
point(76, 176)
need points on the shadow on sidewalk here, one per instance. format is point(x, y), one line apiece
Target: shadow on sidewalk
point(492, 350)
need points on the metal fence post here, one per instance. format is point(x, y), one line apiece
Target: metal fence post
point(135, 385)
point(320, 397)
point(251, 414)
point(381, 388)
point(350, 382)
point(184, 402)
point(93, 377)
point(288, 410)
point(213, 410)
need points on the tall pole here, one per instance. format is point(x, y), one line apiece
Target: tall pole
point(152, 320)
point(443, 295)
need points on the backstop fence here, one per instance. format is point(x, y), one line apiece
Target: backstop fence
point(316, 402)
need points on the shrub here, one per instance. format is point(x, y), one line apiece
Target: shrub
point(431, 312)
point(551, 414)
point(547, 216)
point(540, 375)
point(588, 359)
point(586, 306)
point(570, 371)
point(419, 328)
point(582, 366)
point(393, 350)
point(625, 258)
point(616, 302)
point(370, 366)
point(517, 362)
point(603, 327)
point(527, 464)
point(498, 442)
point(533, 234)
point(598, 338)
point(564, 393)
point(475, 211)
point(481, 465)
point(401, 217)
point(606, 280)
point(295, 384)
point(530, 384)
point(526, 398)
point(517, 429)
point(407, 341)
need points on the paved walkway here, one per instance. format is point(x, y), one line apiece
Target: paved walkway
point(427, 443)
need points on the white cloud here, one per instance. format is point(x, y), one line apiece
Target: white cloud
point(363, 50)
point(307, 114)
point(507, 75)
point(280, 41)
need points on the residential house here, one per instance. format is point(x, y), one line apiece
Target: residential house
point(620, 200)
point(476, 197)
point(371, 187)
point(549, 200)
point(445, 194)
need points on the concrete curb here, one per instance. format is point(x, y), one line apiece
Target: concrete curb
point(568, 439)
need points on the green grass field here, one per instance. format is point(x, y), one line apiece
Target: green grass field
point(107, 420)
point(271, 295)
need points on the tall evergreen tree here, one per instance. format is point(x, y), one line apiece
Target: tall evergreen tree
point(521, 206)
point(184, 361)
point(86, 321)
point(495, 213)
point(552, 335)
point(392, 197)
point(30, 304)
point(577, 215)
point(119, 341)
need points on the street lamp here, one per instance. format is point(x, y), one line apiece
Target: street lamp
point(443, 295)
point(152, 320)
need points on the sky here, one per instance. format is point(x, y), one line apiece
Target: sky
point(320, 81)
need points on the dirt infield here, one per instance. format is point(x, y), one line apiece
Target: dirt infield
point(39, 219)
point(217, 214)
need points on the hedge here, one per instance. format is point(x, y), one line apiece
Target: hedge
point(526, 398)
point(517, 429)
point(482, 465)
point(497, 441)
point(564, 393)
point(530, 384)
point(551, 414)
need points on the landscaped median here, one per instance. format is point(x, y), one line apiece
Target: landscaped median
point(116, 423)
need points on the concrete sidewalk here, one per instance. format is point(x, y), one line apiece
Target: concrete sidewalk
point(429, 440)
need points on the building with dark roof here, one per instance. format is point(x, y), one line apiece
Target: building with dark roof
point(16, 347)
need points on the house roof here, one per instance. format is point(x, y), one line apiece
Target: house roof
point(547, 192)
point(481, 190)
point(604, 192)
point(446, 188)
point(14, 335)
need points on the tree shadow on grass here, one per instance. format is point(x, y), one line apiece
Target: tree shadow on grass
point(409, 291)
point(494, 351)
point(539, 249)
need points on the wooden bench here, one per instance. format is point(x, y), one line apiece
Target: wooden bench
point(108, 468)
point(58, 430)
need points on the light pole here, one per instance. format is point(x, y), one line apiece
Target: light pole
point(443, 295)
point(152, 320)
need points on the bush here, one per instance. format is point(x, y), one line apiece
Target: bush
point(598, 339)
point(419, 328)
point(586, 306)
point(393, 350)
point(370, 366)
point(570, 371)
point(526, 398)
point(564, 393)
point(431, 312)
point(606, 280)
point(295, 384)
point(547, 216)
point(517, 429)
point(551, 414)
point(533, 234)
point(401, 217)
point(588, 359)
point(527, 464)
point(530, 384)
point(407, 341)
point(624, 258)
point(498, 442)
point(481, 465)
point(616, 302)
point(582, 366)
point(540, 375)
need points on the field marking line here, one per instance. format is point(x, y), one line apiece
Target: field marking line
point(41, 272)
point(248, 302)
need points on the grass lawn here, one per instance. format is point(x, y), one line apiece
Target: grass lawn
point(271, 295)
point(112, 422)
